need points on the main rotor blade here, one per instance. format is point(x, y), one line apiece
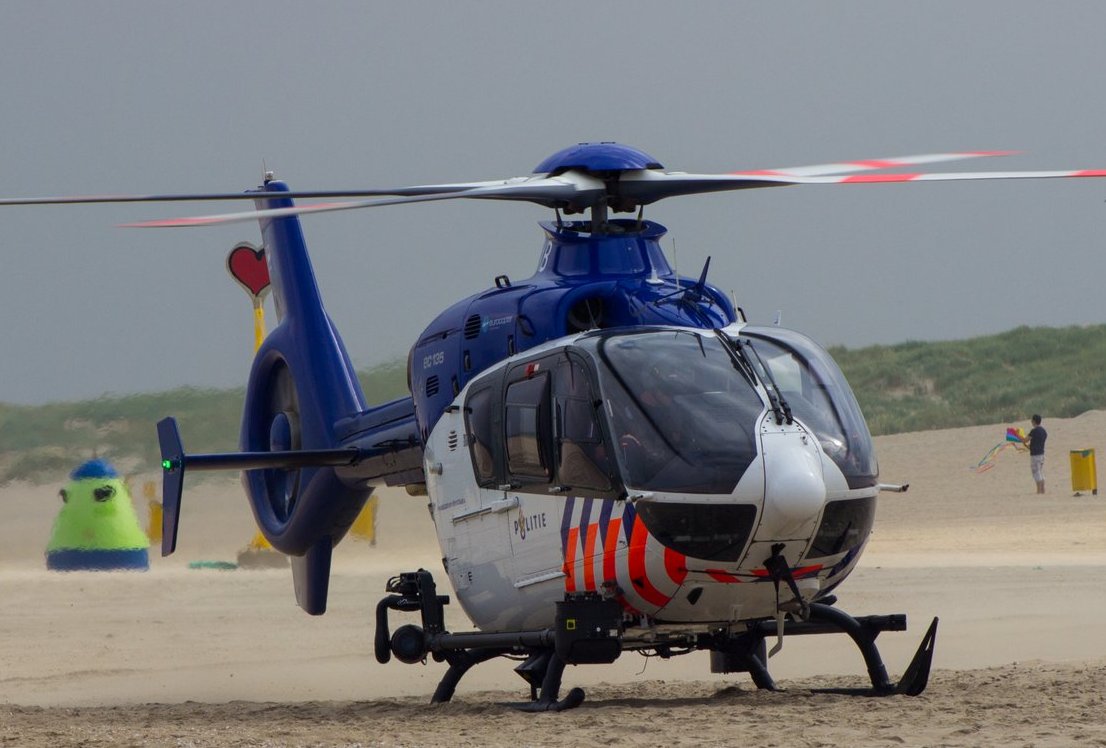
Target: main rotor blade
point(252, 195)
point(644, 187)
point(847, 167)
point(577, 190)
point(843, 167)
point(567, 190)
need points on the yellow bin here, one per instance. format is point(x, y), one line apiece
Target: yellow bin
point(1084, 477)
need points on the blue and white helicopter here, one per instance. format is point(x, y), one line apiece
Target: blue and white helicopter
point(615, 459)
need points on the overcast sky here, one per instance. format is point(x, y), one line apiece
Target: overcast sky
point(133, 97)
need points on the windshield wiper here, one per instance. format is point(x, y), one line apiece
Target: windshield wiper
point(737, 356)
point(780, 409)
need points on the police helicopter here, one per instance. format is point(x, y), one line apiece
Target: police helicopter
point(615, 458)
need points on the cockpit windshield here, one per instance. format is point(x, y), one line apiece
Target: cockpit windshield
point(818, 395)
point(681, 409)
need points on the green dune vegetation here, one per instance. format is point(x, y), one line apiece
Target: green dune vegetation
point(1005, 378)
point(45, 442)
point(911, 386)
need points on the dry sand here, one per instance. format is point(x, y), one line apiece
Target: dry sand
point(178, 656)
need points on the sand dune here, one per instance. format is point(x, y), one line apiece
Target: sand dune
point(190, 657)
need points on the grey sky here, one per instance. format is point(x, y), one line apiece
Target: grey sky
point(125, 97)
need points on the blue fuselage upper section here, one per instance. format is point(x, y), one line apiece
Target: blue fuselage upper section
point(584, 281)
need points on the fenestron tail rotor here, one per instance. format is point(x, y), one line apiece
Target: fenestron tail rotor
point(284, 435)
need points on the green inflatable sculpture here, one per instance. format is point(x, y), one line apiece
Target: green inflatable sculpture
point(97, 528)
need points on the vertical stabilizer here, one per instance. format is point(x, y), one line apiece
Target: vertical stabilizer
point(302, 382)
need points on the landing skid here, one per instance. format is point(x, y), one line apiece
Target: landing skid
point(587, 631)
point(745, 652)
point(543, 670)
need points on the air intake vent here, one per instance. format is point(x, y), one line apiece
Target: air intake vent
point(432, 385)
point(472, 327)
point(452, 441)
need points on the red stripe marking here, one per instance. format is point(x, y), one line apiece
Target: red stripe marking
point(675, 563)
point(570, 559)
point(168, 223)
point(638, 575)
point(862, 178)
point(589, 557)
point(1090, 173)
point(874, 163)
point(614, 532)
point(724, 577)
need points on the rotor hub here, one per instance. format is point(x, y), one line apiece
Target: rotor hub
point(597, 157)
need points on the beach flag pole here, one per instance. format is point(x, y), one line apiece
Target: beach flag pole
point(246, 264)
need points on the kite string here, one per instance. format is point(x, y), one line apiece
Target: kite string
point(1014, 437)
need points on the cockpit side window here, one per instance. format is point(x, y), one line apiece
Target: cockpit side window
point(478, 416)
point(583, 460)
point(526, 427)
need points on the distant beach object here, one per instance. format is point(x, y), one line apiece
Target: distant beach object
point(153, 510)
point(1014, 438)
point(364, 527)
point(1084, 474)
point(246, 264)
point(97, 528)
point(216, 565)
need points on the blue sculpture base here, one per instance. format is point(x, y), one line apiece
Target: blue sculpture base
point(81, 559)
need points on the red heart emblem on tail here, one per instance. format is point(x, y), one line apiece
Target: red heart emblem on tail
point(246, 264)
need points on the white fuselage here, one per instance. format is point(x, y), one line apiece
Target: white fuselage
point(511, 555)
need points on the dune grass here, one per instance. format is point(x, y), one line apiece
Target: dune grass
point(44, 441)
point(1005, 378)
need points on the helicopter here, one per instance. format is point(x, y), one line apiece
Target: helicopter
point(614, 458)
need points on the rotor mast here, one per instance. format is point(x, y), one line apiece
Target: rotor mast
point(599, 217)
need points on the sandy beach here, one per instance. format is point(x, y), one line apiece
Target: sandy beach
point(182, 656)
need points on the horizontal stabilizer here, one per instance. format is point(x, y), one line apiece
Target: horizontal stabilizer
point(174, 461)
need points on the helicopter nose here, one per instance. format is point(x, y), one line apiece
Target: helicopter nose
point(794, 490)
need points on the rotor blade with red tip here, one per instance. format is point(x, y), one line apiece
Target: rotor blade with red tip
point(647, 186)
point(955, 176)
point(579, 190)
point(439, 189)
point(846, 167)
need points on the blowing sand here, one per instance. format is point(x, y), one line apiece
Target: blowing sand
point(178, 656)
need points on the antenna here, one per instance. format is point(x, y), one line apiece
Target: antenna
point(675, 264)
point(779, 317)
